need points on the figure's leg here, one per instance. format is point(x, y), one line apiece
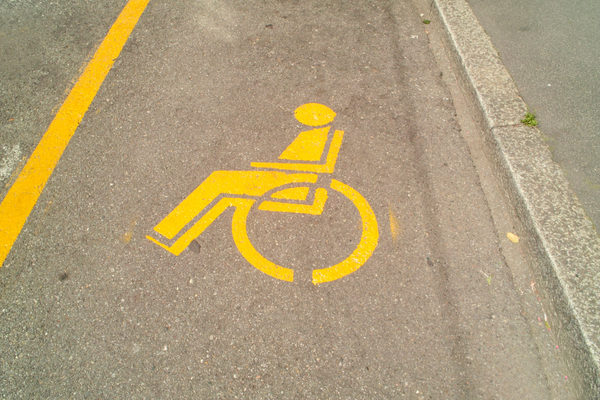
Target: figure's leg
point(249, 183)
point(183, 242)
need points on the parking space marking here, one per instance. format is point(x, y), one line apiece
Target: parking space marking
point(224, 189)
point(24, 193)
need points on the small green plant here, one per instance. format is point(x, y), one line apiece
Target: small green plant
point(426, 21)
point(529, 119)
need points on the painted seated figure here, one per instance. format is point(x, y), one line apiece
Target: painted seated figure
point(276, 191)
point(305, 152)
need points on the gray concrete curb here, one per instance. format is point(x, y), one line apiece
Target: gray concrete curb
point(562, 245)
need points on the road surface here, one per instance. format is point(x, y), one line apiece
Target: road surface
point(417, 300)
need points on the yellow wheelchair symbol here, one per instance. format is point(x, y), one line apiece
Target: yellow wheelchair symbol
point(304, 153)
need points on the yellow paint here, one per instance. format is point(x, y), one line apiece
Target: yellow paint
point(308, 146)
point(24, 193)
point(249, 183)
point(368, 241)
point(327, 168)
point(217, 189)
point(196, 230)
point(313, 209)
point(126, 238)
point(314, 114)
point(295, 193)
point(48, 206)
point(395, 227)
point(240, 237)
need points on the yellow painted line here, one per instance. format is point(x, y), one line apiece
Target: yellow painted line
point(24, 193)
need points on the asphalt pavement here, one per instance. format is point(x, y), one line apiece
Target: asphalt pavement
point(192, 243)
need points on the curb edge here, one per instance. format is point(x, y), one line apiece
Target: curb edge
point(563, 246)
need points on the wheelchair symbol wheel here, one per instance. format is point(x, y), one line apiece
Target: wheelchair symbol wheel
point(366, 246)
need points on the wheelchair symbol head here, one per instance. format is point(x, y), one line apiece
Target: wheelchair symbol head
point(314, 114)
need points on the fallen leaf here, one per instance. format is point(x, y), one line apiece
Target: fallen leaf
point(512, 237)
